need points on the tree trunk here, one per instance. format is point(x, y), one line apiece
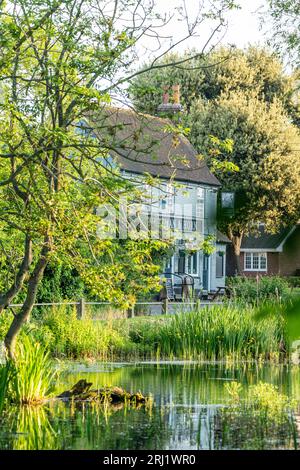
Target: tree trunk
point(24, 314)
point(236, 239)
point(6, 298)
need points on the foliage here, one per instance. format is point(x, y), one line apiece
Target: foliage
point(254, 290)
point(291, 316)
point(64, 335)
point(60, 63)
point(223, 70)
point(214, 333)
point(264, 149)
point(284, 19)
point(33, 374)
point(222, 332)
point(4, 382)
point(60, 283)
point(264, 397)
point(293, 281)
point(260, 418)
point(234, 389)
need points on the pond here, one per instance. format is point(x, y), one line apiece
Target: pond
point(187, 411)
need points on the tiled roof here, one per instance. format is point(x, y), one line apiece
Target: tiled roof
point(141, 144)
point(265, 240)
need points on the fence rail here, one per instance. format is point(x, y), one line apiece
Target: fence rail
point(152, 308)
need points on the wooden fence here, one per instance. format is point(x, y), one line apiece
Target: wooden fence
point(140, 308)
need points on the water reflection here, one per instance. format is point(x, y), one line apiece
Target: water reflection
point(187, 414)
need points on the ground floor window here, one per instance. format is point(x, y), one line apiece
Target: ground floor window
point(192, 264)
point(220, 264)
point(255, 261)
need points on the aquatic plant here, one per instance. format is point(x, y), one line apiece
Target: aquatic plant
point(264, 415)
point(222, 332)
point(234, 389)
point(4, 380)
point(33, 374)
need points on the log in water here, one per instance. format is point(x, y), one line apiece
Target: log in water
point(81, 391)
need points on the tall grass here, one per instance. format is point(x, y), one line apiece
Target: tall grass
point(33, 374)
point(64, 335)
point(221, 332)
point(212, 333)
point(4, 380)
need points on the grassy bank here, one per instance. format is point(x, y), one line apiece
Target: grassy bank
point(214, 333)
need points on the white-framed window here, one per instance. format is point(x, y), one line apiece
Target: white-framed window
point(255, 261)
point(192, 264)
point(200, 203)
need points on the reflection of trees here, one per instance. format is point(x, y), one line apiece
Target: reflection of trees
point(185, 414)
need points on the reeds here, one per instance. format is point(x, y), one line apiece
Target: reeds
point(32, 375)
point(4, 380)
point(221, 332)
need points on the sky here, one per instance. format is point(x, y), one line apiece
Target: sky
point(243, 24)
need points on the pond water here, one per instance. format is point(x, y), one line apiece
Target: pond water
point(187, 410)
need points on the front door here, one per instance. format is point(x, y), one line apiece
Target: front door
point(181, 262)
point(205, 271)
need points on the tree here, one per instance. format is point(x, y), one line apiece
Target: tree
point(246, 97)
point(266, 150)
point(223, 70)
point(285, 33)
point(60, 61)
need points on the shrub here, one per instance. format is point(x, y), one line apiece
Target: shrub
point(254, 290)
point(293, 281)
point(64, 334)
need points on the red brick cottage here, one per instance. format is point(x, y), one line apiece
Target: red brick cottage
point(268, 254)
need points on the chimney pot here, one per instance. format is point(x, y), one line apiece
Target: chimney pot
point(166, 106)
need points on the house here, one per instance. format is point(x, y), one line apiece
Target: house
point(184, 198)
point(269, 254)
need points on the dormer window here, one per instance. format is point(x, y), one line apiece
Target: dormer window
point(227, 200)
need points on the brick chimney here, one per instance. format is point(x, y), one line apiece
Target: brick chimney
point(174, 106)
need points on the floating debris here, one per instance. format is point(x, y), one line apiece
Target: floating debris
point(81, 391)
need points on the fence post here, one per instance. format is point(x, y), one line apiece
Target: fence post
point(165, 304)
point(130, 312)
point(81, 309)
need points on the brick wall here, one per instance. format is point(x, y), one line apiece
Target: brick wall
point(289, 259)
point(272, 266)
point(284, 264)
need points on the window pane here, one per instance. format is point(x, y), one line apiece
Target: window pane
point(227, 200)
point(189, 269)
point(255, 261)
point(195, 263)
point(219, 264)
point(263, 261)
point(248, 264)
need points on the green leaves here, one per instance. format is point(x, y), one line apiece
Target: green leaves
point(291, 314)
